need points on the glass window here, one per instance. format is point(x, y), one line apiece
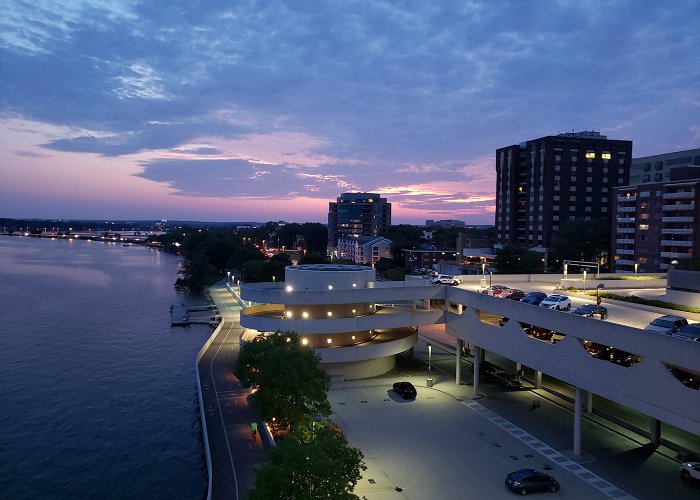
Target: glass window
point(658, 177)
point(647, 167)
point(606, 156)
point(590, 154)
point(658, 165)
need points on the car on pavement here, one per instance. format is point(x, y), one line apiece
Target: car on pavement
point(556, 302)
point(690, 470)
point(405, 390)
point(494, 289)
point(512, 294)
point(623, 358)
point(591, 310)
point(508, 380)
point(446, 279)
point(667, 324)
point(524, 481)
point(689, 332)
point(686, 378)
point(534, 298)
point(486, 369)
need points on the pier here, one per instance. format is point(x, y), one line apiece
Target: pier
point(180, 315)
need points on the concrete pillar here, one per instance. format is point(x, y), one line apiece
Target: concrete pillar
point(458, 362)
point(477, 362)
point(589, 402)
point(518, 368)
point(655, 432)
point(578, 405)
point(538, 379)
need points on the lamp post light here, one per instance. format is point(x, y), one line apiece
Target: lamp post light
point(635, 267)
point(228, 276)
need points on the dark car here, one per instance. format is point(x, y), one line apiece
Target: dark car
point(591, 310)
point(405, 390)
point(508, 380)
point(486, 369)
point(534, 298)
point(623, 358)
point(512, 294)
point(686, 378)
point(526, 480)
point(689, 332)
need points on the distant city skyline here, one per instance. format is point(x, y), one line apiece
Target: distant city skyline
point(127, 110)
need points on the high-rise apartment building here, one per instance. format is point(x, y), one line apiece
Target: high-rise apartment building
point(357, 214)
point(657, 224)
point(544, 182)
point(657, 168)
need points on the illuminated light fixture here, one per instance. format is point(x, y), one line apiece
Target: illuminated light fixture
point(329, 314)
point(354, 311)
point(304, 315)
point(289, 339)
point(330, 287)
point(354, 285)
point(329, 340)
point(304, 341)
point(353, 337)
point(289, 288)
point(288, 314)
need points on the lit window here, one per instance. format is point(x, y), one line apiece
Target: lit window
point(606, 156)
point(288, 314)
point(304, 341)
point(304, 315)
point(590, 154)
point(644, 227)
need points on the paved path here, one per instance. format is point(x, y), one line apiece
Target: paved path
point(234, 454)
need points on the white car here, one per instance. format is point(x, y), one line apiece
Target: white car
point(690, 470)
point(445, 279)
point(557, 302)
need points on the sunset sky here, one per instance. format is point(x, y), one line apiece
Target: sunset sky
point(266, 110)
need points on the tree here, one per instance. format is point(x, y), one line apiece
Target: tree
point(579, 239)
point(291, 384)
point(313, 258)
point(298, 469)
point(403, 236)
point(517, 259)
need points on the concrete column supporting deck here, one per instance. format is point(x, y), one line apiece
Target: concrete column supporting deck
point(578, 406)
point(518, 368)
point(458, 362)
point(655, 432)
point(538, 379)
point(477, 362)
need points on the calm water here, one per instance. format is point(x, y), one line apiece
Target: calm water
point(97, 393)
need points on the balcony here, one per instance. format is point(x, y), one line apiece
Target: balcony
point(676, 243)
point(685, 206)
point(680, 195)
point(624, 241)
point(625, 230)
point(677, 219)
point(622, 251)
point(626, 209)
point(624, 262)
point(676, 255)
point(623, 199)
point(621, 220)
point(668, 230)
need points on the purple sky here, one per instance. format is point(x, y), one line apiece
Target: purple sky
point(253, 110)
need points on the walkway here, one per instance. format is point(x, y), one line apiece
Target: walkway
point(234, 455)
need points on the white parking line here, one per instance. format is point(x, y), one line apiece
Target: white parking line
point(546, 451)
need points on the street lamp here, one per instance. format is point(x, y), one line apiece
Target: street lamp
point(584, 280)
point(635, 267)
point(430, 356)
point(597, 298)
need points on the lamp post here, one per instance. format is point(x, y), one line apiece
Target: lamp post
point(584, 280)
point(228, 276)
point(635, 267)
point(430, 373)
point(597, 299)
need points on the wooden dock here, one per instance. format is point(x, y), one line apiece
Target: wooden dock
point(180, 315)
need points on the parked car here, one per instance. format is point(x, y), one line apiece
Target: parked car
point(405, 390)
point(690, 470)
point(541, 333)
point(445, 279)
point(689, 332)
point(526, 480)
point(508, 380)
point(534, 298)
point(686, 378)
point(486, 369)
point(591, 310)
point(512, 294)
point(623, 358)
point(667, 324)
point(494, 289)
point(557, 302)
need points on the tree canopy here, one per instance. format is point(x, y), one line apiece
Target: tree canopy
point(517, 259)
point(579, 239)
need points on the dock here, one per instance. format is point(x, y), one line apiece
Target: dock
point(180, 315)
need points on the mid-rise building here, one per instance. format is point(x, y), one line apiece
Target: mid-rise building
point(357, 214)
point(544, 182)
point(657, 224)
point(657, 168)
point(364, 249)
point(444, 223)
point(427, 257)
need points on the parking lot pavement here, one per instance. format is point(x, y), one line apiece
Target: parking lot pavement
point(442, 446)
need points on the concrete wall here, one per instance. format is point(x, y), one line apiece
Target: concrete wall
point(683, 287)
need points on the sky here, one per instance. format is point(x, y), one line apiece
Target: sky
point(267, 110)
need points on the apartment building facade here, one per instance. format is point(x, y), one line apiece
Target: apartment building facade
point(364, 249)
point(357, 214)
point(657, 168)
point(544, 182)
